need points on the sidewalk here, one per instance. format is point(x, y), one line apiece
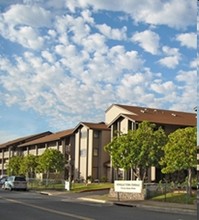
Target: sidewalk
point(162, 206)
point(144, 204)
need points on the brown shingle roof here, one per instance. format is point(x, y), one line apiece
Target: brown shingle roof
point(94, 126)
point(160, 116)
point(52, 137)
point(24, 139)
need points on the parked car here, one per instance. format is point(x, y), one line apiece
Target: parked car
point(15, 182)
point(2, 180)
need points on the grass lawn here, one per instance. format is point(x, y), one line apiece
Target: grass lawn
point(176, 198)
point(76, 187)
point(79, 187)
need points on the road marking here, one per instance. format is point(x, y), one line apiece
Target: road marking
point(49, 210)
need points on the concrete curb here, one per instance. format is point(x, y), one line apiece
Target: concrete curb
point(93, 200)
point(137, 205)
point(160, 208)
point(169, 210)
point(148, 207)
point(46, 193)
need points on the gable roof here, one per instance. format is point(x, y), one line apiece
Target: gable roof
point(159, 116)
point(94, 126)
point(24, 139)
point(52, 137)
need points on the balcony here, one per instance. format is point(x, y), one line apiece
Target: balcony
point(68, 148)
point(6, 154)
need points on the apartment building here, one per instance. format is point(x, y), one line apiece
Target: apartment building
point(10, 148)
point(90, 158)
point(62, 141)
point(121, 118)
point(84, 145)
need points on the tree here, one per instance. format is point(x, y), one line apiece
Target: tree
point(138, 149)
point(180, 153)
point(13, 166)
point(28, 165)
point(51, 161)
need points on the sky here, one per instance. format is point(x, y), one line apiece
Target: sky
point(67, 61)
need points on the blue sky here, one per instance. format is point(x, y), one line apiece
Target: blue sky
point(66, 61)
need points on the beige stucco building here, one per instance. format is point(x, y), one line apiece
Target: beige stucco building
point(121, 118)
point(62, 141)
point(10, 148)
point(90, 158)
point(84, 145)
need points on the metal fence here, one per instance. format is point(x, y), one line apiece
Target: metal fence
point(57, 184)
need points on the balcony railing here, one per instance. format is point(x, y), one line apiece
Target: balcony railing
point(68, 148)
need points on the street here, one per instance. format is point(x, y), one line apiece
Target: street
point(19, 205)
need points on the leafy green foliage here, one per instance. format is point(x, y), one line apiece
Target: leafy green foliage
point(139, 148)
point(28, 165)
point(180, 153)
point(51, 161)
point(13, 166)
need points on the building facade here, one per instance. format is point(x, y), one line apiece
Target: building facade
point(90, 158)
point(122, 118)
point(83, 146)
point(62, 141)
point(10, 149)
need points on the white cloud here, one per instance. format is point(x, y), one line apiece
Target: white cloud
point(148, 40)
point(48, 56)
point(189, 78)
point(33, 16)
point(194, 63)
point(122, 59)
point(112, 33)
point(163, 87)
point(21, 22)
point(171, 12)
point(27, 37)
point(135, 86)
point(172, 58)
point(87, 16)
point(187, 92)
point(77, 70)
point(94, 42)
point(188, 40)
point(72, 28)
point(62, 73)
point(169, 62)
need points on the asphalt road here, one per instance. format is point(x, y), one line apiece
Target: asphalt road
point(16, 205)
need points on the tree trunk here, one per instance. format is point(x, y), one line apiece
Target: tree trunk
point(189, 191)
point(135, 172)
point(144, 174)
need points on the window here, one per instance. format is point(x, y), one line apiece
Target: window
point(130, 125)
point(41, 146)
point(96, 134)
point(20, 178)
point(83, 153)
point(95, 152)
